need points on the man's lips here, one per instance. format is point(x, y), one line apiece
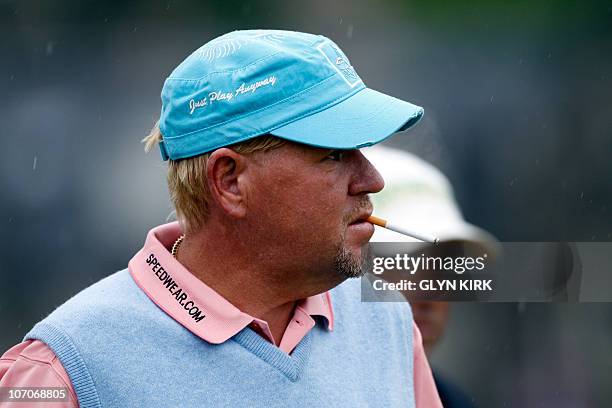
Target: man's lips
point(361, 218)
point(361, 227)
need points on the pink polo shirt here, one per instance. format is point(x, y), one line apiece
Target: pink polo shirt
point(181, 295)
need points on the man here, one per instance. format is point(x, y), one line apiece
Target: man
point(418, 195)
point(246, 301)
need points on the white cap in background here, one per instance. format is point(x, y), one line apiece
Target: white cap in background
point(419, 197)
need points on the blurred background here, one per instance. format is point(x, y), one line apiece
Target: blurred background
point(518, 116)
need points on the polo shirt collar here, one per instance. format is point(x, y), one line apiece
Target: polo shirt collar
point(188, 300)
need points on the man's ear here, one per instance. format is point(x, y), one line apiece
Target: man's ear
point(223, 170)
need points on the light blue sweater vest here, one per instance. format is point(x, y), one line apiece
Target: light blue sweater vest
point(121, 350)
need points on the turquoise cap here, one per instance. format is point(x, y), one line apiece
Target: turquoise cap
point(296, 86)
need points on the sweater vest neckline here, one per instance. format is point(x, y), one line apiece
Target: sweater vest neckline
point(290, 365)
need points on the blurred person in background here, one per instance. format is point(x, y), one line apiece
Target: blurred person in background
point(246, 300)
point(418, 196)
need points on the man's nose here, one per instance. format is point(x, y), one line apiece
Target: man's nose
point(367, 179)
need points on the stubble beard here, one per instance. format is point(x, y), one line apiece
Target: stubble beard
point(347, 265)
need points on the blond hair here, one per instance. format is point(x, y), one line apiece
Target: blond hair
point(186, 178)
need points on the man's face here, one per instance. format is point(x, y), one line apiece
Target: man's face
point(309, 206)
point(431, 318)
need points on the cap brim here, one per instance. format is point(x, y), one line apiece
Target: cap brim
point(364, 119)
point(471, 234)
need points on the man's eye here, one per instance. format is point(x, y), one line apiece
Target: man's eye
point(335, 155)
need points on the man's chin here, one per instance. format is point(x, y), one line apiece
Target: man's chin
point(360, 252)
point(351, 262)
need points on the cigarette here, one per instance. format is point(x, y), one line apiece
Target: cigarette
point(390, 226)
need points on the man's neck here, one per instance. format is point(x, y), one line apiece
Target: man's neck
point(247, 280)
